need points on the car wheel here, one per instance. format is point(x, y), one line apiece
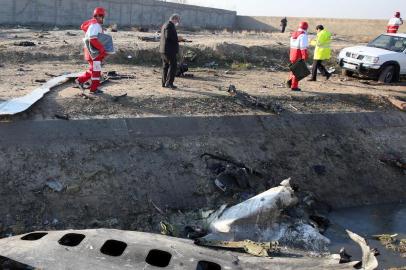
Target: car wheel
point(387, 75)
point(347, 73)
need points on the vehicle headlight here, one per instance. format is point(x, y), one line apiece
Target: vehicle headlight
point(371, 59)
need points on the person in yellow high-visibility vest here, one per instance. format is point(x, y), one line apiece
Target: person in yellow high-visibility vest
point(322, 52)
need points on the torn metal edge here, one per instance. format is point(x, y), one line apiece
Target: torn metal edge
point(21, 104)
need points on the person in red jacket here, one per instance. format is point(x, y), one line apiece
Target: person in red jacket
point(92, 29)
point(394, 23)
point(298, 50)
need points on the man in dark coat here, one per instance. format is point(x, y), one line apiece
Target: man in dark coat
point(169, 48)
point(284, 23)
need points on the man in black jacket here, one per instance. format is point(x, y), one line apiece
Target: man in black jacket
point(284, 23)
point(169, 48)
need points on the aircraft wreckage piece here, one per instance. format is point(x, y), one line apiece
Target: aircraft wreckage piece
point(369, 261)
point(20, 104)
point(113, 249)
point(259, 219)
point(271, 202)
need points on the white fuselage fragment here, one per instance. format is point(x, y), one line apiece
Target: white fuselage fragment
point(20, 104)
point(269, 203)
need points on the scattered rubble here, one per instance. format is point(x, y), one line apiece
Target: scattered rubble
point(259, 219)
point(117, 98)
point(40, 81)
point(114, 75)
point(392, 242)
point(400, 104)
point(250, 247)
point(71, 34)
point(62, 117)
point(54, 185)
point(212, 64)
point(25, 44)
point(245, 99)
point(344, 257)
point(114, 28)
point(394, 160)
point(150, 38)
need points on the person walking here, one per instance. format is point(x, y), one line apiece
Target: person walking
point(284, 24)
point(394, 23)
point(169, 48)
point(322, 52)
point(92, 29)
point(298, 50)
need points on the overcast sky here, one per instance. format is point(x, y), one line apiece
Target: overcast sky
point(366, 9)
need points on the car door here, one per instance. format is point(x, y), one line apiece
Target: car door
point(402, 62)
point(402, 59)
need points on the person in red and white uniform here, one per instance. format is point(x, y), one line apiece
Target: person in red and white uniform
point(394, 23)
point(93, 28)
point(299, 44)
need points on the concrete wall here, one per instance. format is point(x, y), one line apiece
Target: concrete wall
point(345, 27)
point(122, 12)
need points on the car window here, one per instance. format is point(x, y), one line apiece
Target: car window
point(391, 43)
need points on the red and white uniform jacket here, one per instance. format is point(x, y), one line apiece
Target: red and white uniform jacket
point(92, 29)
point(393, 25)
point(299, 43)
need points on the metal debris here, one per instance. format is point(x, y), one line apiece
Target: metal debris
point(369, 261)
point(344, 256)
point(55, 185)
point(20, 104)
point(220, 185)
point(400, 104)
point(113, 75)
point(86, 96)
point(150, 39)
point(25, 44)
point(253, 248)
point(247, 100)
point(62, 117)
point(394, 160)
point(167, 229)
point(194, 232)
point(117, 98)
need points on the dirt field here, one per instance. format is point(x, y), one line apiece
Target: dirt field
point(254, 63)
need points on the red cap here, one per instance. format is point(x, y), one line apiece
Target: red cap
point(99, 11)
point(304, 25)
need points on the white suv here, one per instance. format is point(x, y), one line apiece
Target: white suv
point(384, 58)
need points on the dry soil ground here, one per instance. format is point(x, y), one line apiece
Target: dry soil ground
point(254, 62)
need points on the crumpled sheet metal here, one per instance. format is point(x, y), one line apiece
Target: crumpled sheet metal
point(21, 104)
point(271, 202)
point(259, 219)
point(369, 261)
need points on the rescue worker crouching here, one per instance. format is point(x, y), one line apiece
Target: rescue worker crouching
point(92, 29)
point(298, 50)
point(322, 52)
